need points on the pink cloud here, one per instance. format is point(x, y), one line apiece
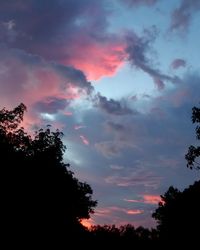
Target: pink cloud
point(110, 210)
point(131, 200)
point(120, 216)
point(76, 35)
point(77, 127)
point(39, 84)
point(151, 199)
point(84, 140)
point(67, 113)
point(97, 59)
point(147, 199)
point(117, 215)
point(134, 211)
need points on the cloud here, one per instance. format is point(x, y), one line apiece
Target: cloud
point(135, 153)
point(177, 63)
point(131, 200)
point(109, 149)
point(72, 26)
point(112, 106)
point(113, 126)
point(136, 3)
point(150, 156)
point(115, 209)
point(181, 16)
point(136, 51)
point(137, 178)
point(45, 87)
point(84, 140)
point(116, 167)
point(151, 199)
point(51, 105)
point(135, 211)
point(104, 57)
point(147, 199)
point(118, 215)
point(77, 127)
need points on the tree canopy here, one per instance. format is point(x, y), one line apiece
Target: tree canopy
point(194, 151)
point(178, 214)
point(41, 197)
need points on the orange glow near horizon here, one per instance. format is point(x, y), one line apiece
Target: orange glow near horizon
point(88, 223)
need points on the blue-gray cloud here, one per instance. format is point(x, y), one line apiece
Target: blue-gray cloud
point(177, 63)
point(112, 106)
point(181, 16)
point(136, 50)
point(136, 3)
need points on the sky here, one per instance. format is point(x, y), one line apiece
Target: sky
point(119, 78)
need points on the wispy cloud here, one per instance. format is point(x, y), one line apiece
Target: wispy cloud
point(147, 199)
point(181, 16)
point(136, 51)
point(135, 178)
point(177, 63)
point(84, 140)
point(137, 3)
point(112, 106)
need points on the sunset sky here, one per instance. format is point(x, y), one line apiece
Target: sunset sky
point(119, 78)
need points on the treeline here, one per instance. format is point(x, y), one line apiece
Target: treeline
point(42, 201)
point(178, 217)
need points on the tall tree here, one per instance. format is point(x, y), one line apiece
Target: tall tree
point(41, 198)
point(194, 151)
point(178, 215)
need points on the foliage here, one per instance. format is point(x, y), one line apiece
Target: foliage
point(194, 151)
point(126, 233)
point(178, 215)
point(41, 197)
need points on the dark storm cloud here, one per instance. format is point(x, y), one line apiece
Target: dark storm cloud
point(137, 48)
point(181, 16)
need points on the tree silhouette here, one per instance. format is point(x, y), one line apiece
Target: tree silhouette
point(41, 199)
point(178, 214)
point(194, 152)
point(123, 234)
